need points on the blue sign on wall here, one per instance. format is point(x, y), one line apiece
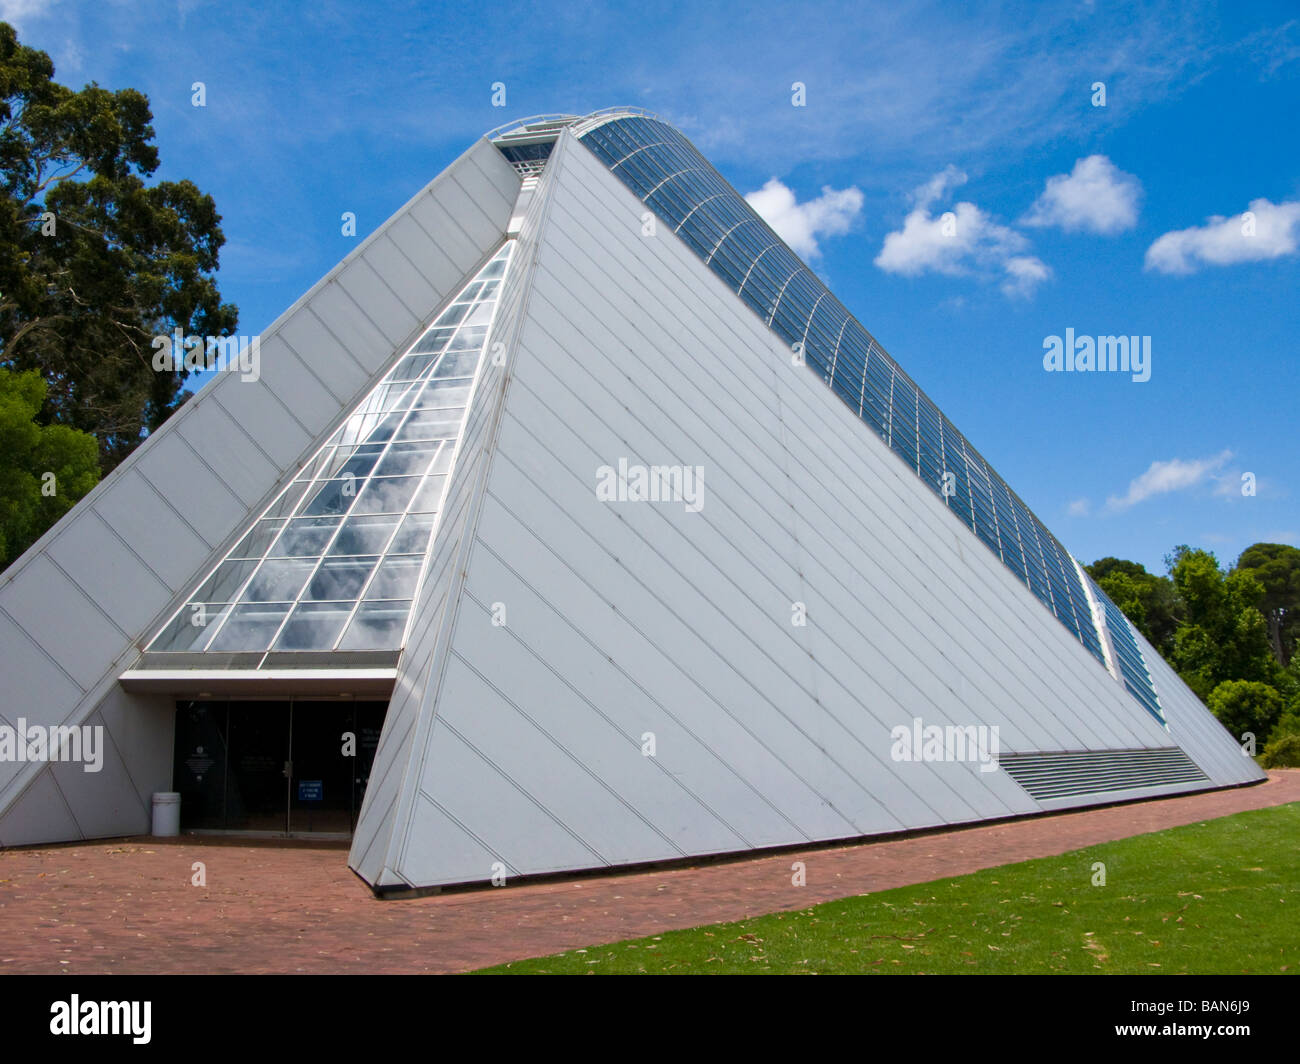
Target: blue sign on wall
point(311, 790)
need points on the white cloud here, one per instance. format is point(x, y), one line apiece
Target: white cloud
point(801, 224)
point(1079, 508)
point(1161, 478)
point(964, 85)
point(962, 241)
point(939, 186)
point(1266, 231)
point(17, 12)
point(1024, 274)
point(1095, 197)
point(1227, 485)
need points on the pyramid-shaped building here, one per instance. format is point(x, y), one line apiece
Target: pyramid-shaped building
point(571, 522)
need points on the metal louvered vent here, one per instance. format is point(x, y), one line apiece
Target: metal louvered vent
point(1067, 773)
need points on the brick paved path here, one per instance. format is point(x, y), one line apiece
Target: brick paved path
point(128, 905)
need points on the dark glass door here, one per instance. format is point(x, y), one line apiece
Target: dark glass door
point(299, 767)
point(199, 769)
point(257, 784)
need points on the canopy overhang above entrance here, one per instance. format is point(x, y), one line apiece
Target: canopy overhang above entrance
point(261, 683)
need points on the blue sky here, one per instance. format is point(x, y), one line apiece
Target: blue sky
point(949, 176)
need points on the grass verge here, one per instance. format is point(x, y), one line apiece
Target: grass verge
point(1221, 896)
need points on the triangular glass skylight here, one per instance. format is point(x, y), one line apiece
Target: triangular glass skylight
point(334, 563)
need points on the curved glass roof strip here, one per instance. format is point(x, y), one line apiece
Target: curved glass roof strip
point(1128, 655)
point(334, 562)
point(738, 246)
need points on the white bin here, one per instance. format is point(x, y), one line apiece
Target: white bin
point(166, 814)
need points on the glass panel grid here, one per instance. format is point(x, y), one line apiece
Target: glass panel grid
point(326, 567)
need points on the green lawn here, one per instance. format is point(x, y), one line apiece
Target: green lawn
point(1216, 897)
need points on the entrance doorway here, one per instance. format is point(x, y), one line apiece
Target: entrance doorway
point(284, 767)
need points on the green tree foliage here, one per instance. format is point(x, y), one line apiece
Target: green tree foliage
point(1282, 751)
point(1222, 635)
point(44, 469)
point(1277, 568)
point(1247, 706)
point(1146, 599)
point(94, 263)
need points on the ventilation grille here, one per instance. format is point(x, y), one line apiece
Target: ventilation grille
point(1065, 774)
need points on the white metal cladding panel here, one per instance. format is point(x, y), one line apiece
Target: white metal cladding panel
point(67, 624)
point(353, 327)
point(709, 804)
point(150, 527)
point(29, 689)
point(713, 570)
point(142, 728)
point(40, 814)
point(435, 217)
point(672, 572)
point(749, 737)
point(826, 421)
point(324, 354)
point(467, 210)
point(450, 853)
point(104, 802)
point(603, 758)
point(533, 759)
point(500, 173)
point(192, 489)
point(265, 420)
point(314, 406)
point(109, 571)
point(647, 617)
point(467, 785)
point(245, 472)
point(368, 289)
point(402, 276)
point(742, 525)
point(911, 509)
point(421, 250)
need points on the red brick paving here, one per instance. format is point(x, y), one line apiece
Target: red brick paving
point(128, 906)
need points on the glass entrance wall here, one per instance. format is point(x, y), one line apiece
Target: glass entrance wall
point(284, 767)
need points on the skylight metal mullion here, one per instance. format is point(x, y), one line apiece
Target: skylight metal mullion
point(701, 203)
point(807, 325)
point(749, 273)
point(781, 294)
point(670, 202)
point(643, 147)
point(625, 137)
point(679, 173)
point(743, 221)
point(346, 626)
point(819, 336)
